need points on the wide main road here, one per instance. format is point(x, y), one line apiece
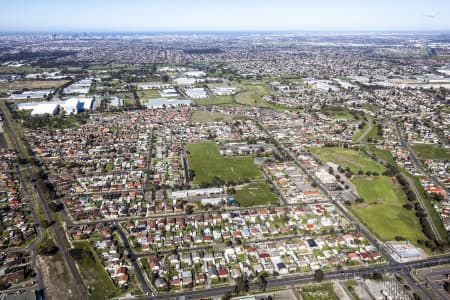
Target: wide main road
point(301, 279)
point(56, 234)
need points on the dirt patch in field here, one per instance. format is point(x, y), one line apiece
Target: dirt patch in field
point(56, 281)
point(394, 182)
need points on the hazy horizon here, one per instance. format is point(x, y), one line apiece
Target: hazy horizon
point(219, 16)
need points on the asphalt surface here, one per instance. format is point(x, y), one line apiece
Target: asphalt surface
point(299, 279)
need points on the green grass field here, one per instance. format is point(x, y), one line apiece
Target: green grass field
point(145, 95)
point(333, 113)
point(251, 93)
point(360, 132)
point(373, 134)
point(382, 210)
point(98, 281)
point(256, 194)
point(348, 158)
point(319, 292)
point(206, 161)
point(425, 151)
point(385, 155)
point(208, 117)
point(216, 100)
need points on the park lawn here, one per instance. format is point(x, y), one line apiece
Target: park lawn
point(207, 162)
point(99, 283)
point(338, 113)
point(360, 132)
point(209, 117)
point(382, 210)
point(286, 79)
point(385, 155)
point(323, 291)
point(373, 134)
point(252, 92)
point(256, 194)
point(426, 151)
point(353, 159)
point(215, 100)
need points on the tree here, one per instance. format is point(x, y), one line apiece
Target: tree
point(377, 276)
point(189, 209)
point(359, 200)
point(408, 206)
point(318, 275)
point(242, 285)
point(262, 281)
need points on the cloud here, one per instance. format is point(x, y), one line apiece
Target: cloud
point(430, 15)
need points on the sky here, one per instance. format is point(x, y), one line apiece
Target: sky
point(229, 15)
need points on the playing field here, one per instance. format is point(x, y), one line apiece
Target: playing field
point(208, 117)
point(206, 161)
point(382, 210)
point(256, 194)
point(353, 159)
point(425, 151)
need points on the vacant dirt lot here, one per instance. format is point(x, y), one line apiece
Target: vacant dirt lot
point(56, 279)
point(32, 84)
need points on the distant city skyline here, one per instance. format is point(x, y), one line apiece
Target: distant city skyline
point(231, 15)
